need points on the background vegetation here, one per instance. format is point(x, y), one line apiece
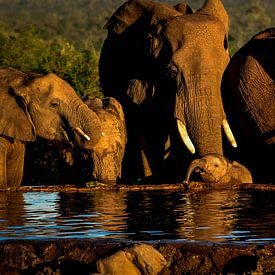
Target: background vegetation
point(65, 37)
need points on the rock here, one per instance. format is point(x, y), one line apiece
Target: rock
point(117, 264)
point(139, 259)
point(148, 259)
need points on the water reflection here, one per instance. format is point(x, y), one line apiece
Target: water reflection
point(213, 221)
point(215, 216)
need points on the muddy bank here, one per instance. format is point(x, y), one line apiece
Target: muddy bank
point(81, 256)
point(192, 186)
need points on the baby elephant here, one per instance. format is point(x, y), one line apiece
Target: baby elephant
point(215, 168)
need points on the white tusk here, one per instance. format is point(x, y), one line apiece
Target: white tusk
point(228, 133)
point(185, 137)
point(81, 133)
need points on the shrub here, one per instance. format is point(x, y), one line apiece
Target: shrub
point(27, 51)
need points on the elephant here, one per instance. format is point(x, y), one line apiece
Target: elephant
point(164, 65)
point(216, 169)
point(107, 154)
point(103, 162)
point(249, 100)
point(34, 105)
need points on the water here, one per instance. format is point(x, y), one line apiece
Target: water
point(215, 216)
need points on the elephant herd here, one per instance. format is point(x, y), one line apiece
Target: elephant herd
point(171, 93)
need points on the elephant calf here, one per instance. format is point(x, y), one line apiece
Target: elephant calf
point(215, 168)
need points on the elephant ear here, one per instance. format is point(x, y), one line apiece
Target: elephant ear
point(133, 10)
point(15, 121)
point(216, 8)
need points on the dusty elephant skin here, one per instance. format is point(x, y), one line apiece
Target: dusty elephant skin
point(103, 162)
point(216, 169)
point(108, 153)
point(167, 78)
point(46, 106)
point(249, 100)
point(81, 256)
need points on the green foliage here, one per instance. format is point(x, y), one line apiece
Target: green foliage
point(26, 50)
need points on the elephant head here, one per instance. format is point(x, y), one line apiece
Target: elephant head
point(33, 105)
point(107, 155)
point(215, 168)
point(46, 106)
point(168, 62)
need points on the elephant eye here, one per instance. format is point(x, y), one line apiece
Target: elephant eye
point(225, 43)
point(54, 103)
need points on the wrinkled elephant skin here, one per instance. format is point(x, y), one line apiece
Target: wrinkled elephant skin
point(168, 79)
point(249, 100)
point(35, 105)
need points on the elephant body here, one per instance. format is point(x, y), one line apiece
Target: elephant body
point(218, 170)
point(34, 105)
point(165, 64)
point(249, 100)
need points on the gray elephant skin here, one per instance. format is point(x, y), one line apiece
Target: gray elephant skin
point(165, 64)
point(34, 105)
point(217, 170)
point(249, 100)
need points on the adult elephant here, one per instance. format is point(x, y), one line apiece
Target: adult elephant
point(46, 106)
point(165, 65)
point(249, 99)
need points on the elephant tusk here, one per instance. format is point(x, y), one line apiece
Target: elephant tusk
point(81, 133)
point(185, 137)
point(228, 133)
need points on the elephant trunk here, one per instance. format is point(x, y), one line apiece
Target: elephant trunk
point(195, 164)
point(199, 108)
point(84, 125)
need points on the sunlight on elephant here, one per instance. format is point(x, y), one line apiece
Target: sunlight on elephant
point(249, 100)
point(103, 162)
point(165, 65)
point(46, 106)
point(108, 153)
point(216, 169)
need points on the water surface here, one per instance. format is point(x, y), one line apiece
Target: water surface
point(215, 216)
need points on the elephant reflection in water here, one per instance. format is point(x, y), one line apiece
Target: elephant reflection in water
point(105, 210)
point(112, 206)
point(11, 210)
point(210, 216)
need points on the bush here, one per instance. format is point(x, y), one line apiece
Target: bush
point(27, 51)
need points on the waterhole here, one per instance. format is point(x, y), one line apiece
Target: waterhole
point(214, 216)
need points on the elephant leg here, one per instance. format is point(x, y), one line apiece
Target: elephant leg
point(15, 163)
point(3, 156)
point(3, 174)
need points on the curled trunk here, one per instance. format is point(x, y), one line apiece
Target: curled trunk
point(197, 163)
point(84, 124)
